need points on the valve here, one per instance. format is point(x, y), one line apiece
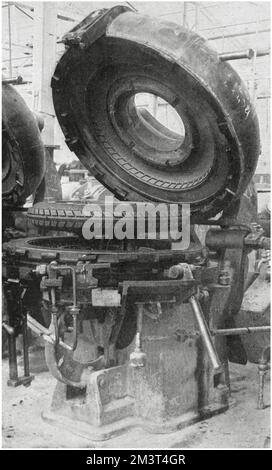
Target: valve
point(74, 311)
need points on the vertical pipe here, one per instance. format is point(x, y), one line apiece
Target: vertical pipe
point(196, 16)
point(184, 20)
point(75, 330)
point(260, 404)
point(253, 68)
point(9, 38)
point(24, 333)
point(44, 62)
point(74, 287)
point(139, 326)
point(13, 369)
point(254, 82)
point(54, 312)
point(263, 367)
point(25, 347)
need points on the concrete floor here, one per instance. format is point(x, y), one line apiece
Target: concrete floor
point(242, 426)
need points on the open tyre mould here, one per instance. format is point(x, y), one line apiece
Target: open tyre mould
point(71, 249)
point(117, 54)
point(23, 157)
point(107, 264)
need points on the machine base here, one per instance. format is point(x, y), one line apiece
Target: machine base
point(109, 431)
point(176, 388)
point(24, 380)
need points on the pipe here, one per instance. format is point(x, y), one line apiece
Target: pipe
point(73, 271)
point(237, 35)
point(231, 25)
point(24, 333)
point(263, 367)
point(53, 366)
point(240, 331)
point(9, 329)
point(75, 332)
point(225, 238)
point(248, 54)
point(54, 312)
point(9, 37)
point(184, 19)
point(13, 81)
point(25, 348)
point(74, 310)
point(13, 369)
point(83, 371)
point(205, 334)
point(51, 350)
point(40, 330)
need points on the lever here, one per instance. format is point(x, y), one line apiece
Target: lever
point(205, 334)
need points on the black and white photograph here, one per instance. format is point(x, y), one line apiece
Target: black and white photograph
point(136, 228)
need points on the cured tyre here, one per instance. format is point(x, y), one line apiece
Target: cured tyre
point(64, 216)
point(112, 57)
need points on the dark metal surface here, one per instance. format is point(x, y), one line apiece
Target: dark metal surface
point(74, 249)
point(23, 159)
point(94, 86)
point(14, 325)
